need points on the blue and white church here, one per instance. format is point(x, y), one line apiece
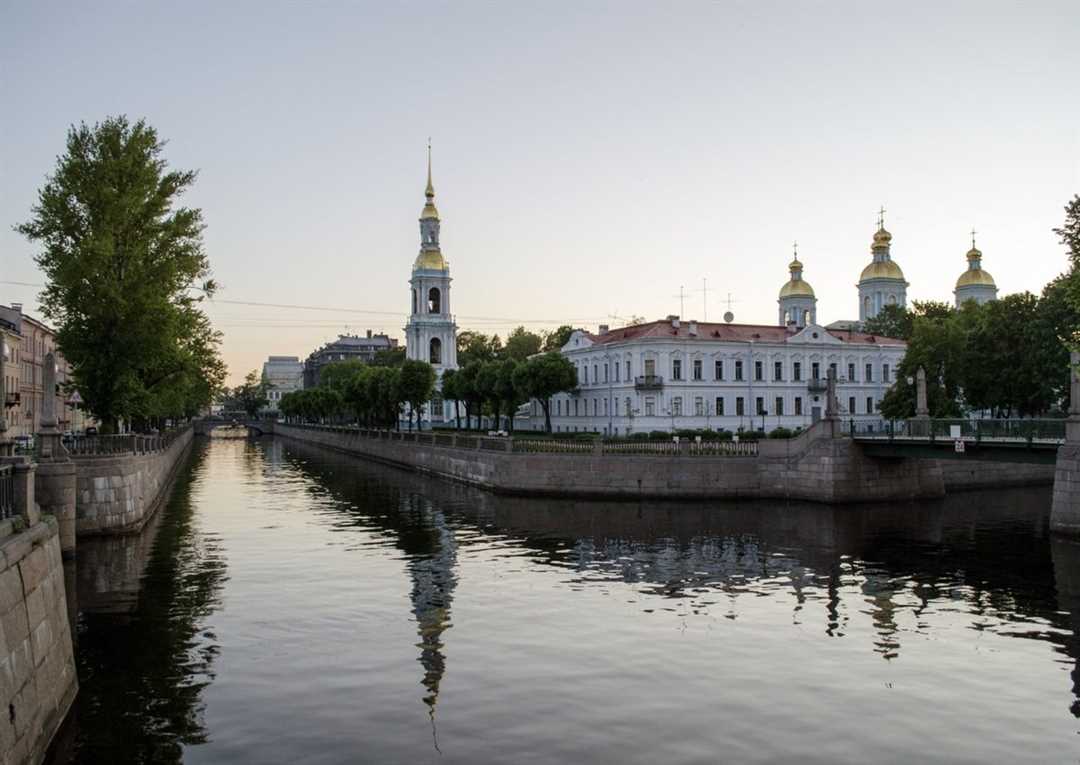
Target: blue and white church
point(431, 334)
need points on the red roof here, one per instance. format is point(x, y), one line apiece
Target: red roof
point(758, 333)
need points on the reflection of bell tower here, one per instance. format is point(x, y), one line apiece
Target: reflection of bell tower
point(433, 583)
point(431, 334)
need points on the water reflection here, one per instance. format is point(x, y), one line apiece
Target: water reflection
point(143, 655)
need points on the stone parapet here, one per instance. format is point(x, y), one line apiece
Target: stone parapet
point(118, 493)
point(54, 490)
point(1065, 512)
point(37, 666)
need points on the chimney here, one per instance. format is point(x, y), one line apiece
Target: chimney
point(692, 328)
point(603, 328)
point(16, 307)
point(369, 333)
point(674, 321)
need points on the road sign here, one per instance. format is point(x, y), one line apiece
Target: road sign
point(958, 446)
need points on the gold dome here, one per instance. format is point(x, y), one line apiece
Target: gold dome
point(431, 260)
point(429, 210)
point(796, 288)
point(974, 254)
point(795, 265)
point(882, 269)
point(975, 277)
point(882, 237)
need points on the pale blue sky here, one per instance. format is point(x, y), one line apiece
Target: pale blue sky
point(590, 158)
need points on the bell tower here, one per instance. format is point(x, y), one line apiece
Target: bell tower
point(431, 334)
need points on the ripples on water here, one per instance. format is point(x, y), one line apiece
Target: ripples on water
point(293, 605)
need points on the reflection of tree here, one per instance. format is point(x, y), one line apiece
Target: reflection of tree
point(141, 674)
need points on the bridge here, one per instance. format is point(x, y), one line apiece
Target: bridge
point(1011, 440)
point(255, 426)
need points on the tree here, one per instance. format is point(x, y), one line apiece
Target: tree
point(892, 321)
point(557, 338)
point(521, 343)
point(476, 346)
point(487, 379)
point(936, 345)
point(1070, 237)
point(469, 391)
point(120, 258)
point(506, 391)
point(451, 393)
point(249, 397)
point(541, 377)
point(416, 383)
point(337, 374)
point(391, 357)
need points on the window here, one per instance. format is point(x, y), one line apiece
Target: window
point(832, 368)
point(435, 351)
point(628, 371)
point(676, 406)
point(558, 407)
point(434, 301)
point(851, 372)
point(605, 407)
point(778, 370)
point(798, 405)
point(759, 371)
point(718, 369)
point(740, 407)
point(885, 373)
point(595, 408)
point(738, 371)
point(697, 369)
point(779, 406)
point(585, 369)
point(699, 406)
point(719, 406)
point(650, 406)
point(616, 403)
point(616, 365)
point(851, 405)
point(869, 404)
point(759, 405)
point(815, 371)
point(575, 407)
point(869, 373)
point(605, 372)
point(414, 301)
point(628, 412)
point(676, 369)
point(650, 367)
point(796, 371)
point(595, 374)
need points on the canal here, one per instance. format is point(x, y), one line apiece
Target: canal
point(293, 605)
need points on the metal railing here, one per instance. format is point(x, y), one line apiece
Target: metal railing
point(649, 382)
point(1004, 431)
point(7, 492)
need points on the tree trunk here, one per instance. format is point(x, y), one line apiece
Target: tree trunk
point(546, 404)
point(510, 417)
point(457, 413)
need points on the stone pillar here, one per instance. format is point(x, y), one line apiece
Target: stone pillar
point(921, 408)
point(1065, 511)
point(55, 480)
point(25, 500)
point(832, 406)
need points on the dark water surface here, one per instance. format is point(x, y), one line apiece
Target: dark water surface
point(291, 605)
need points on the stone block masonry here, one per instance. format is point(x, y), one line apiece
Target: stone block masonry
point(37, 665)
point(817, 466)
point(117, 494)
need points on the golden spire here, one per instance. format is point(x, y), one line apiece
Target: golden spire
point(796, 264)
point(429, 192)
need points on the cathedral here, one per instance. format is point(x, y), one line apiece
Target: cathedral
point(431, 334)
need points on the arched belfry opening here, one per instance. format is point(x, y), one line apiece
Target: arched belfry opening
point(414, 301)
point(434, 300)
point(435, 351)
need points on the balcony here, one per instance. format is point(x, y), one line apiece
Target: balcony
point(12, 399)
point(817, 386)
point(648, 382)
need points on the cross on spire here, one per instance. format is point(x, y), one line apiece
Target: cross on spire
point(795, 249)
point(973, 232)
point(430, 190)
point(881, 217)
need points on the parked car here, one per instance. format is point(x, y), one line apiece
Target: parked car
point(91, 431)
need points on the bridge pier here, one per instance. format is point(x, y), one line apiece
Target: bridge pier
point(1065, 512)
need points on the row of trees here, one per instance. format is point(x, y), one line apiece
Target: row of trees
point(122, 260)
point(1009, 357)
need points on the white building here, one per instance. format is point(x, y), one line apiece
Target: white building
point(431, 334)
point(282, 374)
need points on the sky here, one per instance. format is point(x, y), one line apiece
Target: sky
point(591, 159)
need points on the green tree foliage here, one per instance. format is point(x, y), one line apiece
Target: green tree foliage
point(120, 258)
point(476, 346)
point(391, 357)
point(416, 384)
point(1070, 237)
point(487, 378)
point(521, 343)
point(893, 321)
point(541, 377)
point(936, 345)
point(249, 397)
point(557, 338)
point(337, 374)
point(507, 391)
point(450, 392)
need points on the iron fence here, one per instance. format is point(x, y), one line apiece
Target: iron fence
point(1029, 430)
point(7, 491)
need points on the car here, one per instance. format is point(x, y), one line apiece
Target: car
point(24, 443)
point(91, 431)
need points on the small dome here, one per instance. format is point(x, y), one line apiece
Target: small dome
point(882, 269)
point(974, 254)
point(429, 211)
point(975, 277)
point(882, 237)
point(431, 260)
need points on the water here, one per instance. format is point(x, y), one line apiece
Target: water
point(291, 605)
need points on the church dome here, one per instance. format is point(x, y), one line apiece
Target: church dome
point(796, 287)
point(429, 210)
point(975, 276)
point(882, 269)
point(432, 260)
point(882, 237)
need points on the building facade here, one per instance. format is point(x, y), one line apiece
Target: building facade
point(431, 334)
point(882, 282)
point(281, 374)
point(360, 347)
point(672, 374)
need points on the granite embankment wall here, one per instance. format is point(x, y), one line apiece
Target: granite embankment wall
point(1065, 512)
point(961, 475)
point(118, 493)
point(37, 666)
point(816, 466)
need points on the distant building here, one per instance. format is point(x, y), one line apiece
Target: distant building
point(24, 400)
point(975, 283)
point(282, 374)
point(881, 283)
point(362, 348)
